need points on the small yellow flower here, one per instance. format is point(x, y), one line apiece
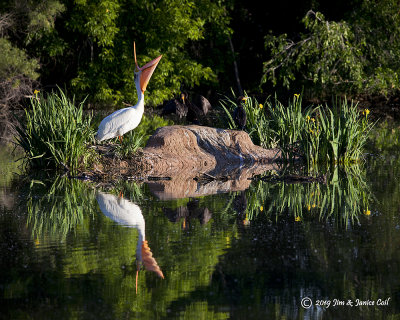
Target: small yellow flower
point(261, 106)
point(261, 208)
point(297, 219)
point(107, 10)
point(308, 118)
point(313, 205)
point(36, 92)
point(308, 207)
point(313, 119)
point(311, 131)
point(297, 95)
point(367, 213)
point(366, 112)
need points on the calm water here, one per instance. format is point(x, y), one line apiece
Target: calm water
point(70, 249)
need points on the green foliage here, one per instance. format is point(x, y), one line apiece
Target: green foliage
point(338, 133)
point(158, 28)
point(15, 63)
point(352, 56)
point(55, 132)
point(327, 56)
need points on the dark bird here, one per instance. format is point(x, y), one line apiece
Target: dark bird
point(176, 106)
point(202, 103)
point(239, 115)
point(194, 113)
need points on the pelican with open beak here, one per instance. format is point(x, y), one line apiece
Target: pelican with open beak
point(121, 121)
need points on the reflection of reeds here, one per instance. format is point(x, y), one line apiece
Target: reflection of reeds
point(55, 211)
point(345, 197)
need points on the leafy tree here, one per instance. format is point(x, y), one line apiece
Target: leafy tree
point(101, 33)
point(21, 22)
point(355, 56)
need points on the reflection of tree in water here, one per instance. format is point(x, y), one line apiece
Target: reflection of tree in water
point(188, 212)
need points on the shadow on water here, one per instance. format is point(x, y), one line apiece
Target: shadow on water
point(72, 250)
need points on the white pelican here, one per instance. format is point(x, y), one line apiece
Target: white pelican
point(126, 213)
point(121, 121)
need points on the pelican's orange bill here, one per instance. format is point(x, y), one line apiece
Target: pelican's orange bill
point(147, 70)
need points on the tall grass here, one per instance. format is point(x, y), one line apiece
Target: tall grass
point(55, 132)
point(321, 135)
point(257, 125)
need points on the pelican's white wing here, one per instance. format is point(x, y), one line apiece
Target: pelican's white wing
point(119, 122)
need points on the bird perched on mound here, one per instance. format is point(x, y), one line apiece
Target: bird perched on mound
point(121, 121)
point(176, 106)
point(239, 115)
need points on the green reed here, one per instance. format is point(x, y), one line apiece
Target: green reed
point(322, 135)
point(55, 133)
point(336, 134)
point(257, 124)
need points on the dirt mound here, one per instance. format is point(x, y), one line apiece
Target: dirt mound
point(192, 150)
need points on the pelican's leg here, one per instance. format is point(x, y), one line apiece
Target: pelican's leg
point(121, 195)
point(120, 139)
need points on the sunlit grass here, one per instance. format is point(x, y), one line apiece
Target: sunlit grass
point(324, 135)
point(55, 133)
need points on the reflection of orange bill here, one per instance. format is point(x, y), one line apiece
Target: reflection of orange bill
point(149, 262)
point(147, 70)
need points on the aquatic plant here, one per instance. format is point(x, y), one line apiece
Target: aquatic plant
point(257, 125)
point(55, 133)
point(336, 134)
point(321, 135)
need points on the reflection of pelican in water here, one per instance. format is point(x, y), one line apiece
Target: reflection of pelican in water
point(129, 214)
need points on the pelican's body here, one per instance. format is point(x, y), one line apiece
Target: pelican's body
point(121, 121)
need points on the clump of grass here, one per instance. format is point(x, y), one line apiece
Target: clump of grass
point(55, 133)
point(322, 135)
point(257, 125)
point(138, 137)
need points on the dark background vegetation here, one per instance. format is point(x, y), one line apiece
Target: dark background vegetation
point(321, 48)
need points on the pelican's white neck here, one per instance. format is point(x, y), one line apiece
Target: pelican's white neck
point(140, 94)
